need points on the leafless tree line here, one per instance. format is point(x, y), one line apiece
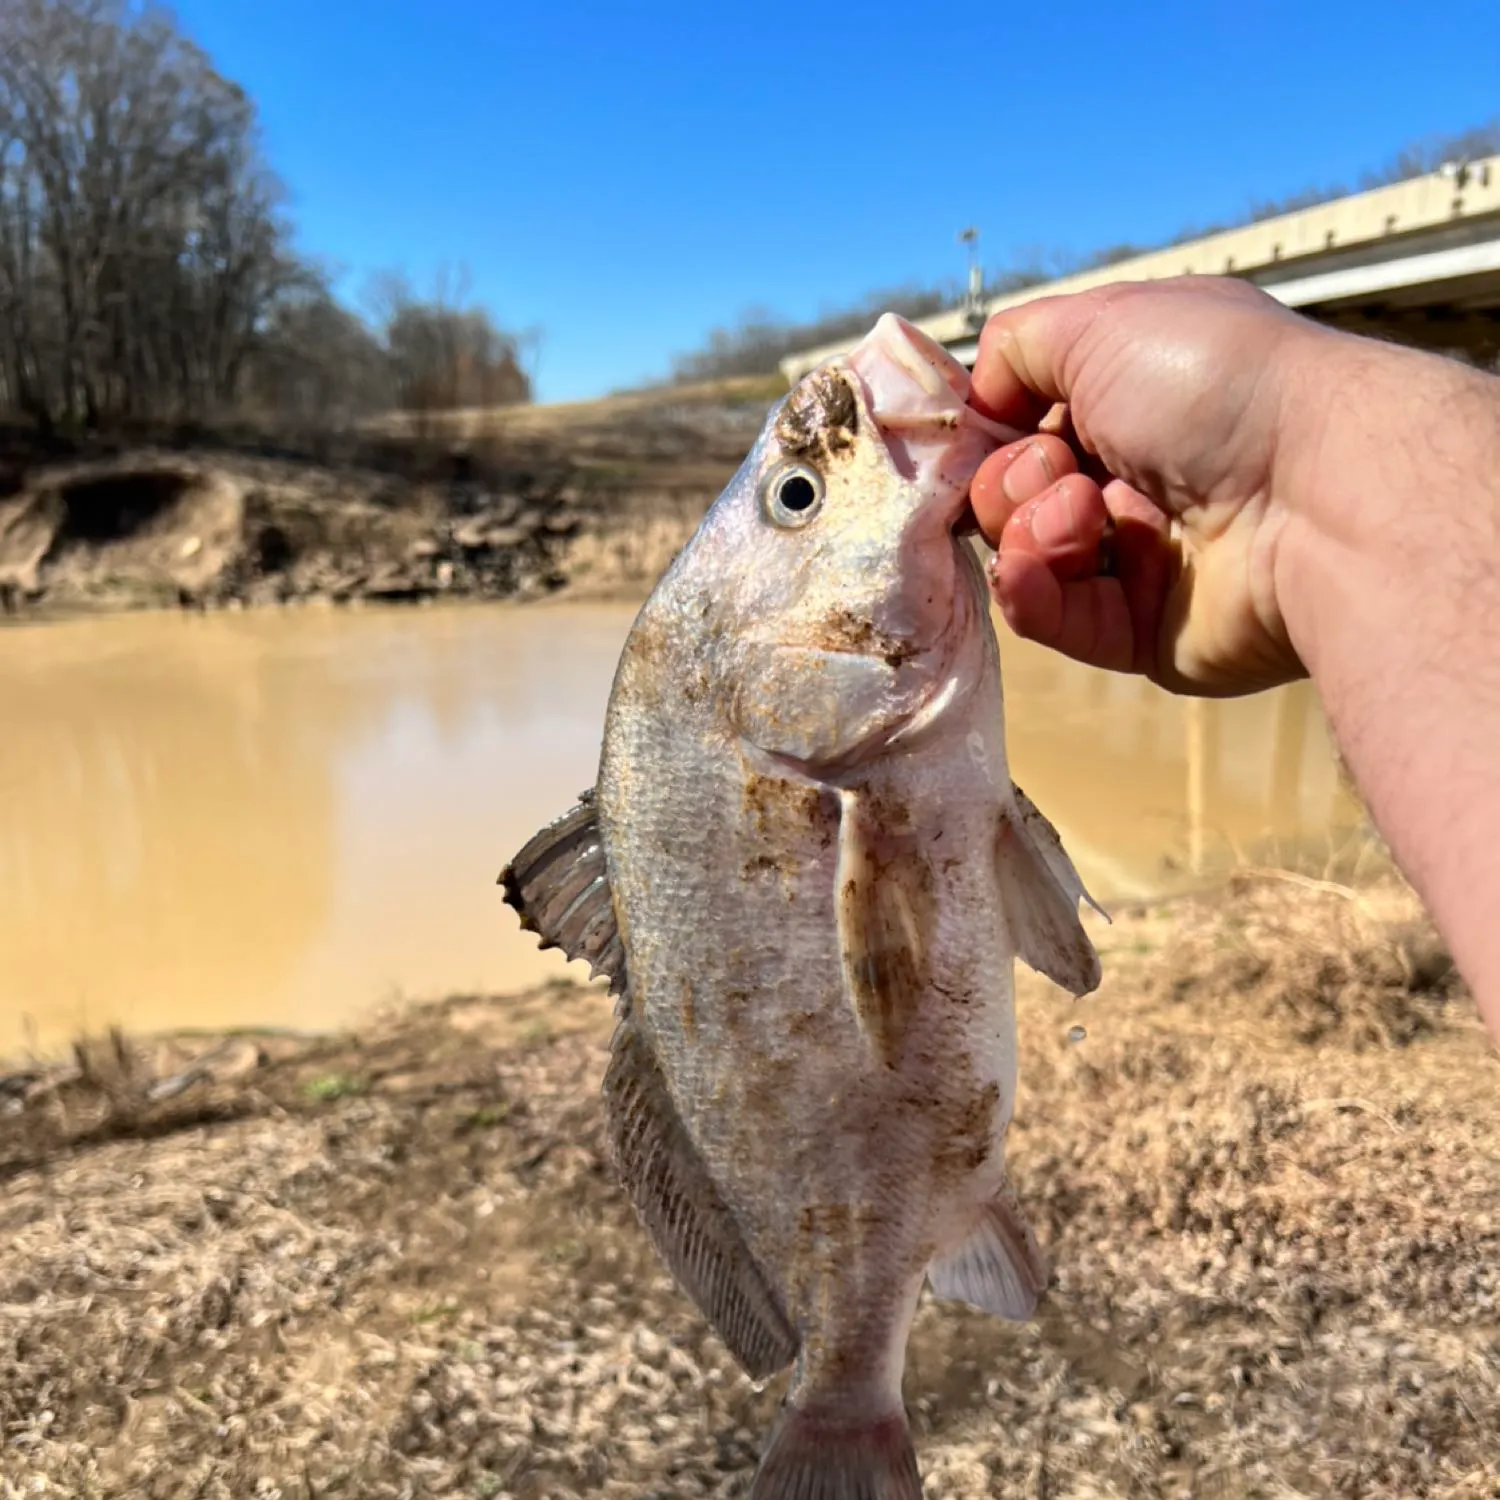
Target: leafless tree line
point(760, 340)
point(444, 353)
point(146, 269)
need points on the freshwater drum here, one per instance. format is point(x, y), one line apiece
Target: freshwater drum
point(806, 872)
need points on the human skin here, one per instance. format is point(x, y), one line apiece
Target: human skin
point(1280, 500)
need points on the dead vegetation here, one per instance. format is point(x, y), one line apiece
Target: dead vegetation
point(396, 1264)
point(1328, 963)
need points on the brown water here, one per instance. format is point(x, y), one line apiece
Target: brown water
point(285, 818)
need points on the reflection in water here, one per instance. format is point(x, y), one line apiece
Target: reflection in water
point(1154, 793)
point(283, 818)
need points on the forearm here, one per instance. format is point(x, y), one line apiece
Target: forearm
point(1388, 575)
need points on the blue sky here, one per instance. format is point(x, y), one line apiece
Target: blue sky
point(626, 178)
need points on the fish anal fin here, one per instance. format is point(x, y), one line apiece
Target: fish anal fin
point(1039, 892)
point(684, 1213)
point(559, 885)
point(999, 1268)
point(884, 900)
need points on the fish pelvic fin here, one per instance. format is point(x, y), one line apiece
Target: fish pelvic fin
point(559, 885)
point(999, 1269)
point(885, 896)
point(683, 1212)
point(811, 1458)
point(1039, 892)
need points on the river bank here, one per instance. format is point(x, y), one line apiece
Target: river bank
point(393, 1261)
point(515, 503)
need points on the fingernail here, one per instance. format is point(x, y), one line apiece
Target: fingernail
point(997, 590)
point(1028, 475)
point(1052, 523)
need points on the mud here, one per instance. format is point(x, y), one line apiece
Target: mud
point(395, 1262)
point(594, 499)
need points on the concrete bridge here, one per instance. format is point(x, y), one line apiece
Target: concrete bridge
point(1418, 262)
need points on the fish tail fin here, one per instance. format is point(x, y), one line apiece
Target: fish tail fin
point(809, 1457)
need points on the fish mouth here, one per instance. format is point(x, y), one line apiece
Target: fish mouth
point(916, 394)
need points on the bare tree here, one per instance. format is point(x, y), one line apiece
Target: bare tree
point(140, 243)
point(445, 352)
point(315, 364)
point(145, 268)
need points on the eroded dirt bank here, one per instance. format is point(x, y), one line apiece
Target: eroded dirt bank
point(396, 1264)
point(594, 499)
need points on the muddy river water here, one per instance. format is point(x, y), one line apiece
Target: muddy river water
point(286, 818)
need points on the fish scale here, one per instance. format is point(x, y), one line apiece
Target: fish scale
point(807, 872)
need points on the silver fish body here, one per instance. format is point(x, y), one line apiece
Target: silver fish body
point(807, 871)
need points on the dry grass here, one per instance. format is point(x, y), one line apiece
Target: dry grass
point(470, 423)
point(397, 1265)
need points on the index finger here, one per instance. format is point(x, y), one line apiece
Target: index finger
point(1021, 372)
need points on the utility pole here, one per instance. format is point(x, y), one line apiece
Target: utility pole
point(974, 297)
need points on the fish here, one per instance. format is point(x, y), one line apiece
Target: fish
point(806, 872)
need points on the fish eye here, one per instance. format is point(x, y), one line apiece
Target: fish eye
point(793, 495)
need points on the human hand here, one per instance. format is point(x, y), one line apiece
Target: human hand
point(1181, 397)
point(1283, 498)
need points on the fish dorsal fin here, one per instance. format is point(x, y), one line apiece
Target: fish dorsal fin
point(1040, 891)
point(559, 884)
point(999, 1268)
point(885, 920)
point(683, 1211)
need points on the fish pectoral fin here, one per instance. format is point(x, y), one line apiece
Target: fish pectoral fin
point(683, 1212)
point(884, 903)
point(999, 1268)
point(559, 884)
point(1039, 892)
